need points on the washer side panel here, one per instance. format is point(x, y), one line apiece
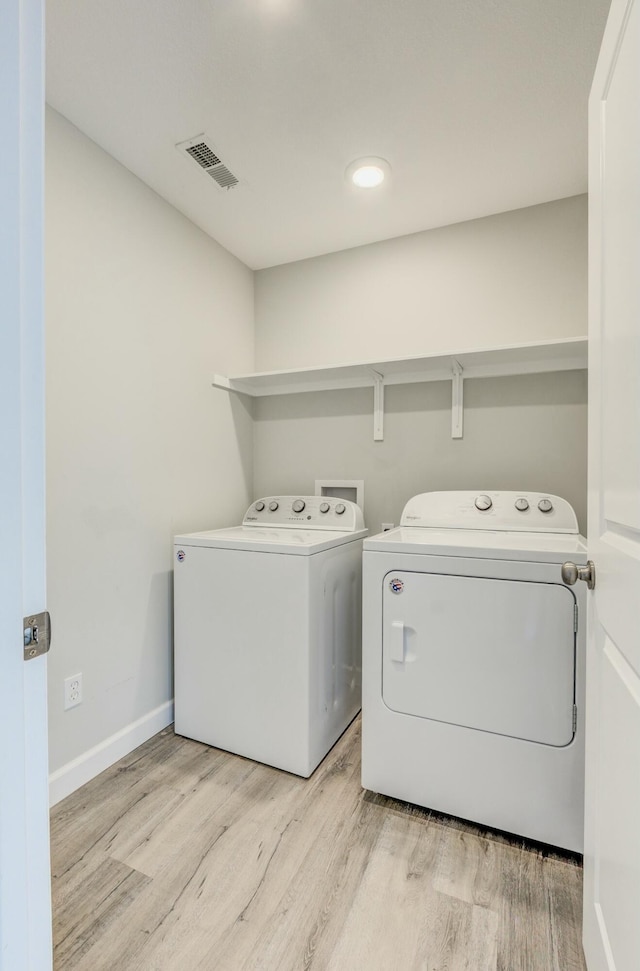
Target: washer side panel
point(335, 684)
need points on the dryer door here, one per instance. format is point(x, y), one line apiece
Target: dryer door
point(489, 654)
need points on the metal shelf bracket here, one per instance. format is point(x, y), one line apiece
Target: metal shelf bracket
point(378, 405)
point(457, 398)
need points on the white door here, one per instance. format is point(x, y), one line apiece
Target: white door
point(25, 910)
point(612, 823)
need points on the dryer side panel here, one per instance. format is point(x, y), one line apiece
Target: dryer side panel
point(494, 655)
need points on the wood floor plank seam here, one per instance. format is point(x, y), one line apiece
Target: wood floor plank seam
point(186, 886)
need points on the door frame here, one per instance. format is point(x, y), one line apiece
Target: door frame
point(25, 902)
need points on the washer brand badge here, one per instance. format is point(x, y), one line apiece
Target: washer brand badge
point(396, 585)
point(180, 555)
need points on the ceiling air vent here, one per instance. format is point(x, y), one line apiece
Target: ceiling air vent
point(201, 152)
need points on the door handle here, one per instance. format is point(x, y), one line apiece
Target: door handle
point(570, 573)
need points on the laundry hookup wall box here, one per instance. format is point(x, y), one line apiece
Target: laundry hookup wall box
point(351, 489)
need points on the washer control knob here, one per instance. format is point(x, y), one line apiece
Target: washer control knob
point(324, 507)
point(483, 503)
point(259, 506)
point(340, 508)
point(522, 504)
point(298, 505)
point(273, 506)
point(545, 505)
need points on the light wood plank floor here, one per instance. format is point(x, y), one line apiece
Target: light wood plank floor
point(184, 858)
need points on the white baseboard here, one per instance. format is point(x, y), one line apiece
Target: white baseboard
point(74, 774)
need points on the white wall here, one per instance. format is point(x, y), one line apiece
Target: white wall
point(526, 432)
point(142, 308)
point(507, 279)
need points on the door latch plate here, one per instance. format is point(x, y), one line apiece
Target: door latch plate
point(37, 634)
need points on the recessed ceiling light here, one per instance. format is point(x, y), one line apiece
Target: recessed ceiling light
point(367, 173)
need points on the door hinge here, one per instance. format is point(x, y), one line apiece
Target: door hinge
point(575, 618)
point(37, 634)
point(575, 718)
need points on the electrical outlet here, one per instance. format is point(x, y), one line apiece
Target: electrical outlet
point(72, 691)
point(386, 526)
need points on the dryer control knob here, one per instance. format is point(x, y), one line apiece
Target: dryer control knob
point(273, 506)
point(298, 505)
point(259, 506)
point(324, 507)
point(545, 505)
point(340, 508)
point(483, 503)
point(522, 504)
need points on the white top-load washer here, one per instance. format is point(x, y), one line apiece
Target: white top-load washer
point(268, 630)
point(473, 662)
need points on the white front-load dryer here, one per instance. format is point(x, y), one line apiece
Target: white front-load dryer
point(267, 619)
point(473, 662)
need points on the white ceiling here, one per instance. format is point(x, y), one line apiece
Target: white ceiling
point(480, 106)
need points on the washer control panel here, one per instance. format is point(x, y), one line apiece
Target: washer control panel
point(305, 512)
point(520, 511)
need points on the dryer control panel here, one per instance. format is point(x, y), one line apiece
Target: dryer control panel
point(529, 512)
point(305, 512)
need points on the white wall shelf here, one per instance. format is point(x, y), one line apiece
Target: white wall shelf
point(561, 355)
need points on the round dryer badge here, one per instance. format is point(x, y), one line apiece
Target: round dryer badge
point(180, 555)
point(396, 585)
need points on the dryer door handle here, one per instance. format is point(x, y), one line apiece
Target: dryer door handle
point(396, 641)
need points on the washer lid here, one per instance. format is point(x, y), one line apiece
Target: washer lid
point(263, 539)
point(499, 545)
